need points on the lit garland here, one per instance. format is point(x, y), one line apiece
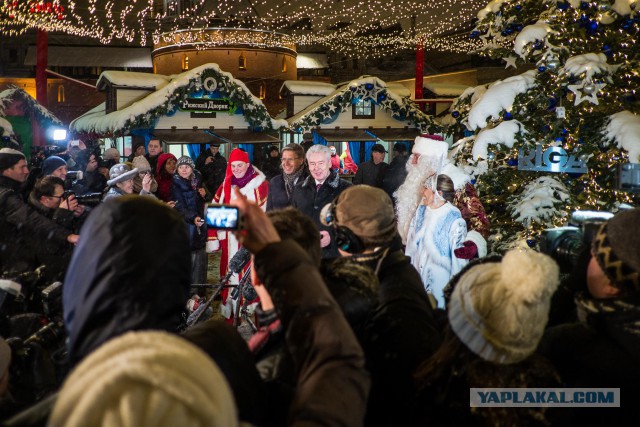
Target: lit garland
point(183, 86)
point(366, 89)
point(589, 53)
point(366, 28)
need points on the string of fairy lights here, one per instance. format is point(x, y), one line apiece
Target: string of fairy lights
point(369, 27)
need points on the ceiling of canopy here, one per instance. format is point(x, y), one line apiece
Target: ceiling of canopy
point(363, 27)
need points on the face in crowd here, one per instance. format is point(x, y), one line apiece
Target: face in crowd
point(290, 163)
point(60, 172)
point(170, 166)
point(239, 168)
point(17, 172)
point(126, 186)
point(185, 171)
point(319, 166)
point(154, 148)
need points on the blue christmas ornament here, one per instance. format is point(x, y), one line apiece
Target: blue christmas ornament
point(583, 18)
point(455, 114)
point(473, 181)
point(553, 102)
point(518, 7)
point(542, 69)
point(592, 26)
point(531, 243)
point(538, 44)
point(508, 115)
point(504, 33)
point(563, 6)
point(584, 5)
point(368, 86)
point(474, 34)
point(512, 162)
point(518, 27)
point(382, 97)
point(564, 131)
point(559, 139)
point(606, 49)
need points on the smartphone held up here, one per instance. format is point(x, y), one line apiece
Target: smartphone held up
point(223, 217)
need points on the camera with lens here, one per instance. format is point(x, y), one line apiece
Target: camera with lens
point(566, 244)
point(89, 199)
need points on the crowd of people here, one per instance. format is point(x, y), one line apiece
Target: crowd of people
point(375, 300)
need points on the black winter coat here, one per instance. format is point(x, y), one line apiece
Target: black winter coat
point(190, 205)
point(371, 174)
point(400, 336)
point(213, 173)
point(311, 202)
point(395, 175)
point(604, 351)
point(131, 271)
point(18, 221)
point(277, 198)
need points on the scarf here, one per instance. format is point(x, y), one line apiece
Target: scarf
point(290, 180)
point(248, 176)
point(624, 312)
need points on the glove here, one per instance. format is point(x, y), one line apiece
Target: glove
point(213, 245)
point(468, 250)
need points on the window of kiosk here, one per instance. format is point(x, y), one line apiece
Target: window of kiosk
point(363, 110)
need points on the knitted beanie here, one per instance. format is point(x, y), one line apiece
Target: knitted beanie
point(368, 212)
point(499, 310)
point(121, 173)
point(9, 157)
point(141, 163)
point(52, 163)
point(616, 247)
point(186, 160)
point(148, 378)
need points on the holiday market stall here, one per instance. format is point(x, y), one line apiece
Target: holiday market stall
point(564, 136)
point(359, 114)
point(25, 121)
point(186, 111)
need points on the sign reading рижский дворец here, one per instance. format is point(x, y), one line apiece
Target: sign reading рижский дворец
point(207, 105)
point(553, 159)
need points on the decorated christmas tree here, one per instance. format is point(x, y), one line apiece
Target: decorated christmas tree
point(549, 141)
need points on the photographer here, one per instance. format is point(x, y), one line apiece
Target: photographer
point(49, 199)
point(19, 220)
point(603, 348)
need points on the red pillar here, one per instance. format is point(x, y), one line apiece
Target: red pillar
point(420, 72)
point(41, 66)
point(42, 47)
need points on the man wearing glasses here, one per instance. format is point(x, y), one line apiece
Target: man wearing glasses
point(321, 187)
point(293, 171)
point(18, 220)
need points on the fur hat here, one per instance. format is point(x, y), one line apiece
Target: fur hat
point(9, 157)
point(52, 163)
point(149, 378)
point(111, 154)
point(186, 160)
point(141, 163)
point(368, 212)
point(430, 145)
point(120, 173)
point(499, 310)
point(616, 249)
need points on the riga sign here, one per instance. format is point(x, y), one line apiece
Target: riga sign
point(553, 159)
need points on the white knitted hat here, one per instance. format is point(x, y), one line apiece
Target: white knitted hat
point(149, 378)
point(499, 310)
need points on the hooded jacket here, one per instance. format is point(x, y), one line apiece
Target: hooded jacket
point(164, 178)
point(131, 270)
